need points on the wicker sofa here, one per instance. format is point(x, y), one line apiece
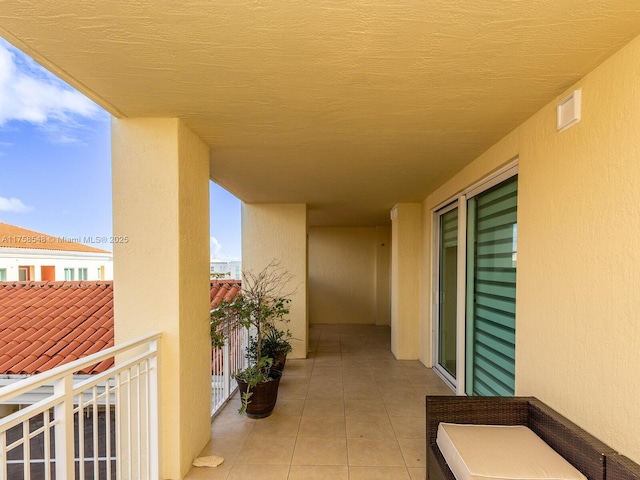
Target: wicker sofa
point(592, 457)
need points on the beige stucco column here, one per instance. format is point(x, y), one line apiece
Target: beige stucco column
point(278, 232)
point(161, 273)
point(405, 280)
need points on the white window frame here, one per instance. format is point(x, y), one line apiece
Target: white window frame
point(458, 384)
point(69, 272)
point(83, 273)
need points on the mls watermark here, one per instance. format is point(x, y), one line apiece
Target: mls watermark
point(44, 239)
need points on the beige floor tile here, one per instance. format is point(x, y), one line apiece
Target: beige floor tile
point(225, 447)
point(334, 372)
point(412, 364)
point(361, 389)
point(366, 405)
point(349, 411)
point(414, 451)
point(409, 427)
point(277, 424)
point(441, 389)
point(320, 451)
point(369, 426)
point(220, 472)
point(403, 392)
point(289, 406)
point(293, 382)
point(417, 473)
point(328, 387)
point(263, 472)
point(378, 473)
point(330, 406)
point(322, 426)
point(328, 346)
point(421, 380)
point(231, 423)
point(405, 408)
point(319, 472)
point(267, 450)
point(365, 452)
point(302, 367)
point(324, 360)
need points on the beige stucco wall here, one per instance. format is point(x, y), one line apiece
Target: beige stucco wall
point(342, 275)
point(577, 318)
point(406, 249)
point(278, 232)
point(161, 275)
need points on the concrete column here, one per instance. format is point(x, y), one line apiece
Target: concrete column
point(383, 275)
point(278, 232)
point(161, 273)
point(406, 244)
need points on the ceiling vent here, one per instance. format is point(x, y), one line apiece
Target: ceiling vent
point(569, 110)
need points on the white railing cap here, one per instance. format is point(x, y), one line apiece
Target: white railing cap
point(26, 385)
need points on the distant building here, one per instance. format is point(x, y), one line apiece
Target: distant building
point(226, 269)
point(26, 255)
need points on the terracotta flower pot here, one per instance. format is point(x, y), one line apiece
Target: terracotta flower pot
point(264, 396)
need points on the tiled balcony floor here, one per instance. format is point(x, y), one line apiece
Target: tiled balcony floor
point(349, 411)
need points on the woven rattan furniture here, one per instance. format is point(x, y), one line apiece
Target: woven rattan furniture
point(620, 467)
point(582, 450)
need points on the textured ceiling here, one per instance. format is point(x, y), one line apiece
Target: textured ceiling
point(348, 106)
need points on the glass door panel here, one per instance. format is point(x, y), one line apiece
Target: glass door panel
point(447, 288)
point(491, 290)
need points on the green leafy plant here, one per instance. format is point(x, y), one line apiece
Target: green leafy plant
point(275, 343)
point(260, 308)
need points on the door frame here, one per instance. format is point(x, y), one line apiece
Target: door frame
point(442, 372)
point(458, 384)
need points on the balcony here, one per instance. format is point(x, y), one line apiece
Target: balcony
point(102, 426)
point(349, 411)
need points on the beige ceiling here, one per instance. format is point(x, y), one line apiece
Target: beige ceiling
point(348, 106)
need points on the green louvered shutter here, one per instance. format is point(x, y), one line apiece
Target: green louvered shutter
point(491, 290)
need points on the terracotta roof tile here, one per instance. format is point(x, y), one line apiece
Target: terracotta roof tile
point(46, 324)
point(223, 290)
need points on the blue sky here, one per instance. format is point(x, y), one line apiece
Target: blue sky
point(55, 160)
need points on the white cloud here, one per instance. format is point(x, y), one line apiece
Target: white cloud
point(215, 248)
point(31, 94)
point(13, 205)
point(217, 253)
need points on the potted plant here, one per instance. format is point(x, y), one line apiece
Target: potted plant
point(260, 307)
point(275, 345)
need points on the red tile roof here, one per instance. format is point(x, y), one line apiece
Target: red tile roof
point(46, 324)
point(223, 290)
point(18, 237)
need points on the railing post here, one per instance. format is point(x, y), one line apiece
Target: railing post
point(63, 430)
point(226, 369)
point(154, 415)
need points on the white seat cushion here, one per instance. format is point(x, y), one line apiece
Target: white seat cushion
point(479, 452)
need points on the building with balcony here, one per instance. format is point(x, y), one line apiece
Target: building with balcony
point(26, 255)
point(226, 269)
point(462, 174)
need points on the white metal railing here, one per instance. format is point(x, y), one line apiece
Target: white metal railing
point(224, 362)
point(101, 427)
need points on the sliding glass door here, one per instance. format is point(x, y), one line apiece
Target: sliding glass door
point(475, 294)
